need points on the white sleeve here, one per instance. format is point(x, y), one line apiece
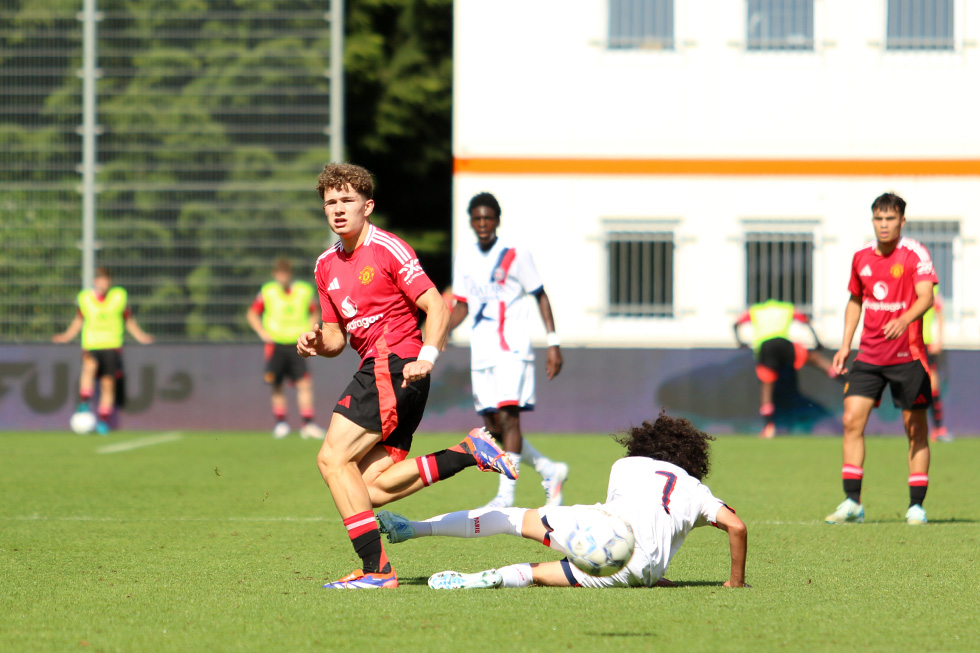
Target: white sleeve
point(527, 274)
point(708, 506)
point(458, 283)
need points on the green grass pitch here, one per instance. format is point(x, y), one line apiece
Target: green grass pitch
point(219, 541)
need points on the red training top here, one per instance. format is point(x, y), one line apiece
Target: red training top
point(371, 292)
point(886, 286)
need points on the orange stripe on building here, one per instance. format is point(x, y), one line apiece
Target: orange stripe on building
point(722, 167)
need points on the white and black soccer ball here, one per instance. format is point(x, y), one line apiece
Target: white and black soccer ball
point(82, 422)
point(601, 543)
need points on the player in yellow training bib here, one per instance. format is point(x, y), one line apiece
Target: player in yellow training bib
point(103, 317)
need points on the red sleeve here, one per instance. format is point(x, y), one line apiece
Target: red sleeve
point(800, 317)
point(327, 312)
point(744, 318)
point(855, 287)
point(259, 304)
point(127, 313)
point(923, 270)
point(408, 276)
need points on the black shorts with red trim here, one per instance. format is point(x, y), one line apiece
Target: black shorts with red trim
point(778, 356)
point(282, 362)
point(375, 400)
point(109, 362)
point(909, 383)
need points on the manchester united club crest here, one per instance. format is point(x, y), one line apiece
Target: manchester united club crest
point(366, 276)
point(897, 270)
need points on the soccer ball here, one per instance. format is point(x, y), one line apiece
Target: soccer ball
point(600, 544)
point(82, 422)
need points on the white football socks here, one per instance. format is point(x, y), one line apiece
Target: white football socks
point(507, 486)
point(481, 522)
point(542, 464)
point(516, 575)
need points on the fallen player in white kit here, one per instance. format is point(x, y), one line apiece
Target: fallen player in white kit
point(656, 488)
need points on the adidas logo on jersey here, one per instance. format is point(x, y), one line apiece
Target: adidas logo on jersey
point(866, 271)
point(334, 285)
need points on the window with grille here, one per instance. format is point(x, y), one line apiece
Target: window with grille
point(779, 265)
point(779, 25)
point(940, 238)
point(646, 24)
point(920, 25)
point(641, 273)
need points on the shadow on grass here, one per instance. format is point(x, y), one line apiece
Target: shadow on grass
point(413, 580)
point(694, 583)
point(901, 520)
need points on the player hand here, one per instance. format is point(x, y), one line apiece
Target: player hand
point(895, 328)
point(935, 348)
point(310, 342)
point(146, 339)
point(554, 362)
point(415, 371)
point(59, 338)
point(840, 359)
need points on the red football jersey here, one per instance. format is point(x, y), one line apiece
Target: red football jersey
point(886, 286)
point(371, 292)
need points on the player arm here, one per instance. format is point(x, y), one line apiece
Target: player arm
point(555, 361)
point(802, 318)
point(852, 315)
point(436, 330)
point(327, 341)
point(923, 302)
point(255, 321)
point(134, 329)
point(744, 318)
point(738, 539)
point(68, 334)
point(460, 311)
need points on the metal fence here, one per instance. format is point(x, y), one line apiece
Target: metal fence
point(212, 122)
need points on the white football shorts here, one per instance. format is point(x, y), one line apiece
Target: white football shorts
point(508, 383)
point(562, 520)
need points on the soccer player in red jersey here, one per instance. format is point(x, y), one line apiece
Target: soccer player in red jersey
point(371, 288)
point(892, 279)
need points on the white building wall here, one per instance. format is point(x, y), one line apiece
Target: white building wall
point(535, 85)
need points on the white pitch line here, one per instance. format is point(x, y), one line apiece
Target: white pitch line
point(129, 445)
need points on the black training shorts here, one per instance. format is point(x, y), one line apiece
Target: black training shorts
point(909, 383)
point(375, 400)
point(282, 362)
point(109, 362)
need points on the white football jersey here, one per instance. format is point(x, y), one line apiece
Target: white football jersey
point(662, 503)
point(496, 286)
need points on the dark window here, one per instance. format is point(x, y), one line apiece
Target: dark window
point(645, 24)
point(779, 25)
point(920, 25)
point(779, 266)
point(641, 274)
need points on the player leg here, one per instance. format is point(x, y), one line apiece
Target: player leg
point(912, 393)
point(305, 401)
point(863, 389)
point(275, 374)
point(939, 431)
point(278, 403)
point(109, 364)
point(86, 381)
point(390, 476)
point(344, 445)
point(773, 356)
